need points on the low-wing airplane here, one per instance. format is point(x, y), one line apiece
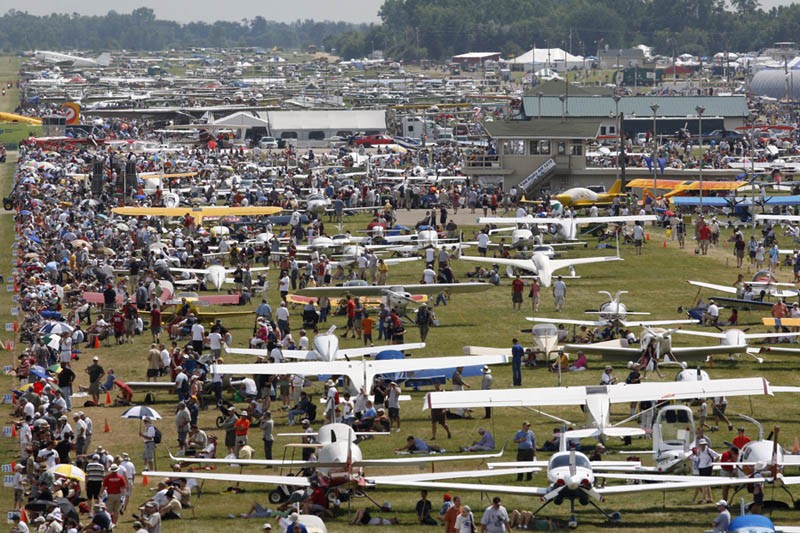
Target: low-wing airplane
point(597, 400)
point(540, 264)
point(213, 276)
point(198, 303)
point(198, 213)
point(767, 286)
point(340, 462)
point(361, 373)
point(585, 197)
point(736, 337)
point(325, 347)
point(397, 296)
point(571, 476)
point(566, 228)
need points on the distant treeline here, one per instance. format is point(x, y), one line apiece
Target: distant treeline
point(418, 29)
point(141, 31)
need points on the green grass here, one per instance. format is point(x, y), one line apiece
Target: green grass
point(656, 282)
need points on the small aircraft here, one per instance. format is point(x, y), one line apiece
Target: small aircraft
point(749, 523)
point(57, 58)
point(737, 337)
point(213, 276)
point(361, 373)
point(197, 304)
point(673, 435)
point(597, 400)
point(325, 347)
point(397, 296)
point(540, 264)
point(340, 463)
point(585, 197)
point(571, 476)
point(566, 228)
point(198, 213)
point(767, 287)
point(681, 187)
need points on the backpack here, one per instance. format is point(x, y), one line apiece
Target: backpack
point(157, 436)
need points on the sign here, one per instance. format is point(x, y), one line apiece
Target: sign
point(9, 326)
point(6, 431)
point(9, 288)
point(15, 311)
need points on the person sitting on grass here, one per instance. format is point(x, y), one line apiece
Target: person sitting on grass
point(417, 445)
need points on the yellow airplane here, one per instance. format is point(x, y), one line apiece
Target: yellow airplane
point(13, 117)
point(681, 187)
point(584, 197)
point(198, 213)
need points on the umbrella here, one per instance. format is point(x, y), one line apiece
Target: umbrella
point(141, 411)
point(52, 341)
point(139, 196)
point(58, 328)
point(39, 372)
point(25, 213)
point(69, 471)
point(31, 255)
point(77, 243)
point(123, 227)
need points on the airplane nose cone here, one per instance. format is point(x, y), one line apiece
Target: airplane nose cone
point(573, 482)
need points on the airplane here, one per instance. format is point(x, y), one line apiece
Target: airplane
point(571, 476)
point(584, 197)
point(759, 283)
point(681, 187)
point(397, 296)
point(198, 213)
point(673, 434)
point(566, 228)
point(540, 264)
point(213, 276)
point(103, 60)
point(198, 302)
point(340, 464)
point(596, 401)
point(748, 523)
point(737, 337)
point(361, 373)
point(325, 347)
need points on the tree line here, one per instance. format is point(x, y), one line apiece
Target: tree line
point(426, 29)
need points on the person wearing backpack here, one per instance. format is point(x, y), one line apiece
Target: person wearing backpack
point(150, 434)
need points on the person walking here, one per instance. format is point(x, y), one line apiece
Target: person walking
point(559, 293)
point(486, 384)
point(267, 425)
point(495, 518)
point(517, 353)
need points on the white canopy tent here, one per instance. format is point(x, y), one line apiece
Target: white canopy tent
point(553, 58)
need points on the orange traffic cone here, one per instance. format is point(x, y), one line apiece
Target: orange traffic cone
point(145, 482)
point(96, 342)
point(107, 428)
point(23, 516)
point(665, 244)
point(16, 327)
point(108, 397)
point(795, 448)
point(13, 430)
point(647, 236)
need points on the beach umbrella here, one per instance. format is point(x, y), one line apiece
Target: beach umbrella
point(38, 371)
point(57, 328)
point(77, 243)
point(69, 471)
point(123, 227)
point(141, 411)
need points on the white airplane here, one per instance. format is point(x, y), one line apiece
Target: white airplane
point(673, 435)
point(397, 296)
point(566, 228)
point(571, 476)
point(737, 337)
point(361, 373)
point(103, 60)
point(540, 264)
point(213, 276)
point(769, 287)
point(325, 347)
point(341, 462)
point(597, 400)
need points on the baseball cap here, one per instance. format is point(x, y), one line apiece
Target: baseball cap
point(702, 441)
point(95, 358)
point(722, 502)
point(267, 526)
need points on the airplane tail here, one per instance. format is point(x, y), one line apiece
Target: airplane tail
point(616, 188)
point(104, 59)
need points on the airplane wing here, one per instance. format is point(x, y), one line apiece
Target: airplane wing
point(778, 218)
point(501, 489)
point(412, 479)
point(685, 352)
point(713, 286)
point(197, 212)
point(416, 459)
point(372, 350)
point(379, 290)
point(578, 395)
point(650, 323)
point(303, 355)
point(521, 264)
point(294, 481)
point(606, 348)
point(614, 219)
point(558, 264)
point(190, 271)
point(570, 321)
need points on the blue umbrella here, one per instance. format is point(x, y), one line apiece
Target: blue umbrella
point(25, 213)
point(51, 266)
point(139, 196)
point(141, 411)
point(38, 371)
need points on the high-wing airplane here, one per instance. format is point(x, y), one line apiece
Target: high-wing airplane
point(198, 213)
point(325, 347)
point(57, 58)
point(571, 476)
point(737, 337)
point(397, 296)
point(566, 228)
point(769, 287)
point(213, 276)
point(361, 373)
point(680, 187)
point(597, 400)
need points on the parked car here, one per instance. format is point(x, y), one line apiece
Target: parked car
point(718, 135)
point(268, 142)
point(374, 140)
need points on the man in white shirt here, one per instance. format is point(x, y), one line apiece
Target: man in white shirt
point(483, 243)
point(282, 315)
point(215, 344)
point(428, 276)
point(198, 334)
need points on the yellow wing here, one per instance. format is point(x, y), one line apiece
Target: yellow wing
point(198, 213)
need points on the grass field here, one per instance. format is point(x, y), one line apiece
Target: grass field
point(656, 282)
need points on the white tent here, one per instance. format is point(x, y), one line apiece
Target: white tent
point(553, 58)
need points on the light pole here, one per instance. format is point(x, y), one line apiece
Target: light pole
point(700, 110)
point(620, 144)
point(654, 108)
